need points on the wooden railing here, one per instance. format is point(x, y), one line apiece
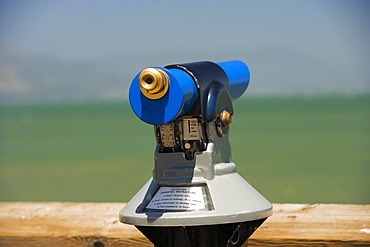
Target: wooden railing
point(97, 225)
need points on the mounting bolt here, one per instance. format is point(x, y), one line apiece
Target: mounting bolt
point(225, 118)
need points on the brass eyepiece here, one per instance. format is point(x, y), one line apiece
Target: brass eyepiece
point(153, 83)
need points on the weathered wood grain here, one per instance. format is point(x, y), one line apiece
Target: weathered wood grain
point(315, 225)
point(97, 225)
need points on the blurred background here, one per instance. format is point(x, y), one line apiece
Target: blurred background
point(300, 133)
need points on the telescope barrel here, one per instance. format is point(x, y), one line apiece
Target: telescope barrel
point(158, 95)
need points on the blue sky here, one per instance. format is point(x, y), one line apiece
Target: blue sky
point(310, 46)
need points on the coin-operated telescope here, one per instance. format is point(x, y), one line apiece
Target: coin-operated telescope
point(195, 197)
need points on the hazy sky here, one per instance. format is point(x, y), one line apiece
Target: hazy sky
point(290, 46)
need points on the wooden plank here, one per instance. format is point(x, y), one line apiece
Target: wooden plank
point(65, 224)
point(315, 225)
point(97, 225)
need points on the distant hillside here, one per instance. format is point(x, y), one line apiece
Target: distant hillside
point(41, 78)
point(274, 70)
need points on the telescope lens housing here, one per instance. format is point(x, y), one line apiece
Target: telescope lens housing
point(155, 101)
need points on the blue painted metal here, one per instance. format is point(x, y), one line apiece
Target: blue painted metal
point(239, 76)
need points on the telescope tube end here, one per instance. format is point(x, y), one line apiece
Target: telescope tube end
point(156, 102)
point(238, 75)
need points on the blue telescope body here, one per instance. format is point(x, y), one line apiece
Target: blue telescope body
point(188, 85)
